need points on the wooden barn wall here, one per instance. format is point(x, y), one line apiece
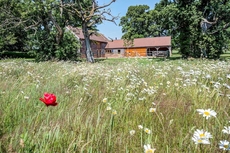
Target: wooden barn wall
point(98, 48)
point(132, 52)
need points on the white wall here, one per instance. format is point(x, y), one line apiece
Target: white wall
point(116, 51)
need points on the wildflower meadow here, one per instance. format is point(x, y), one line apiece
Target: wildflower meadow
point(131, 106)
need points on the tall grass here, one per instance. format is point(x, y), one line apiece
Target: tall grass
point(99, 104)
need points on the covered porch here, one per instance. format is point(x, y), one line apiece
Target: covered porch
point(159, 51)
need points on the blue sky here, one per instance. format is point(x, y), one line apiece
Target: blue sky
point(120, 8)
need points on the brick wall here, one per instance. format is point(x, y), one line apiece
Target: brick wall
point(98, 48)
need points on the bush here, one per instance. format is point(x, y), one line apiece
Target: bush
point(68, 49)
point(15, 54)
point(45, 47)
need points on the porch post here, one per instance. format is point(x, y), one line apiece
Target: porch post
point(157, 50)
point(170, 51)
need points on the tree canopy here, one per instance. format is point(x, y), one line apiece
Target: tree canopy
point(39, 27)
point(136, 19)
point(199, 28)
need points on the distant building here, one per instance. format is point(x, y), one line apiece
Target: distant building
point(140, 47)
point(143, 47)
point(98, 42)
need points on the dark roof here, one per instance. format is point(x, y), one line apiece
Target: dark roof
point(141, 42)
point(96, 36)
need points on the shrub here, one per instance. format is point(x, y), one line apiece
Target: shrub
point(45, 47)
point(68, 49)
point(15, 54)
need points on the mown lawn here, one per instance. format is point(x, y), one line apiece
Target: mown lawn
point(115, 106)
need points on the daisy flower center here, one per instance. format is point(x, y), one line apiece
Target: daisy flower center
point(202, 135)
point(206, 113)
point(149, 151)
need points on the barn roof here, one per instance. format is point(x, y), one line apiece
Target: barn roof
point(141, 42)
point(95, 36)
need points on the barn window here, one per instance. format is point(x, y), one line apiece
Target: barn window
point(108, 51)
point(149, 53)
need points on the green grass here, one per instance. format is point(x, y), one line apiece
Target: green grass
point(175, 56)
point(225, 56)
point(82, 122)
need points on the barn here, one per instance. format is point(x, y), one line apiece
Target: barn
point(98, 42)
point(140, 47)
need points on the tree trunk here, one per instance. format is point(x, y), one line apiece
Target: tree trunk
point(60, 33)
point(88, 52)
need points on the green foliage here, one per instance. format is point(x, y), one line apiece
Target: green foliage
point(43, 45)
point(15, 54)
point(69, 49)
point(12, 36)
point(38, 27)
point(136, 22)
point(182, 20)
point(45, 48)
point(10, 39)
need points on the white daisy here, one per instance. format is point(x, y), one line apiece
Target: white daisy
point(201, 134)
point(228, 76)
point(224, 145)
point(226, 130)
point(108, 108)
point(152, 110)
point(26, 97)
point(208, 76)
point(140, 127)
point(104, 100)
point(132, 132)
point(114, 112)
point(147, 131)
point(198, 140)
point(148, 149)
point(207, 113)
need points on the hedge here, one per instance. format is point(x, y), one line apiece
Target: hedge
point(15, 54)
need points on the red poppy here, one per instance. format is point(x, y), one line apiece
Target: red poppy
point(49, 99)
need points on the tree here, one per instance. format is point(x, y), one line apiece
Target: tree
point(202, 27)
point(45, 33)
point(165, 21)
point(37, 27)
point(45, 23)
point(198, 27)
point(12, 36)
point(90, 14)
point(215, 23)
point(136, 23)
point(141, 22)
